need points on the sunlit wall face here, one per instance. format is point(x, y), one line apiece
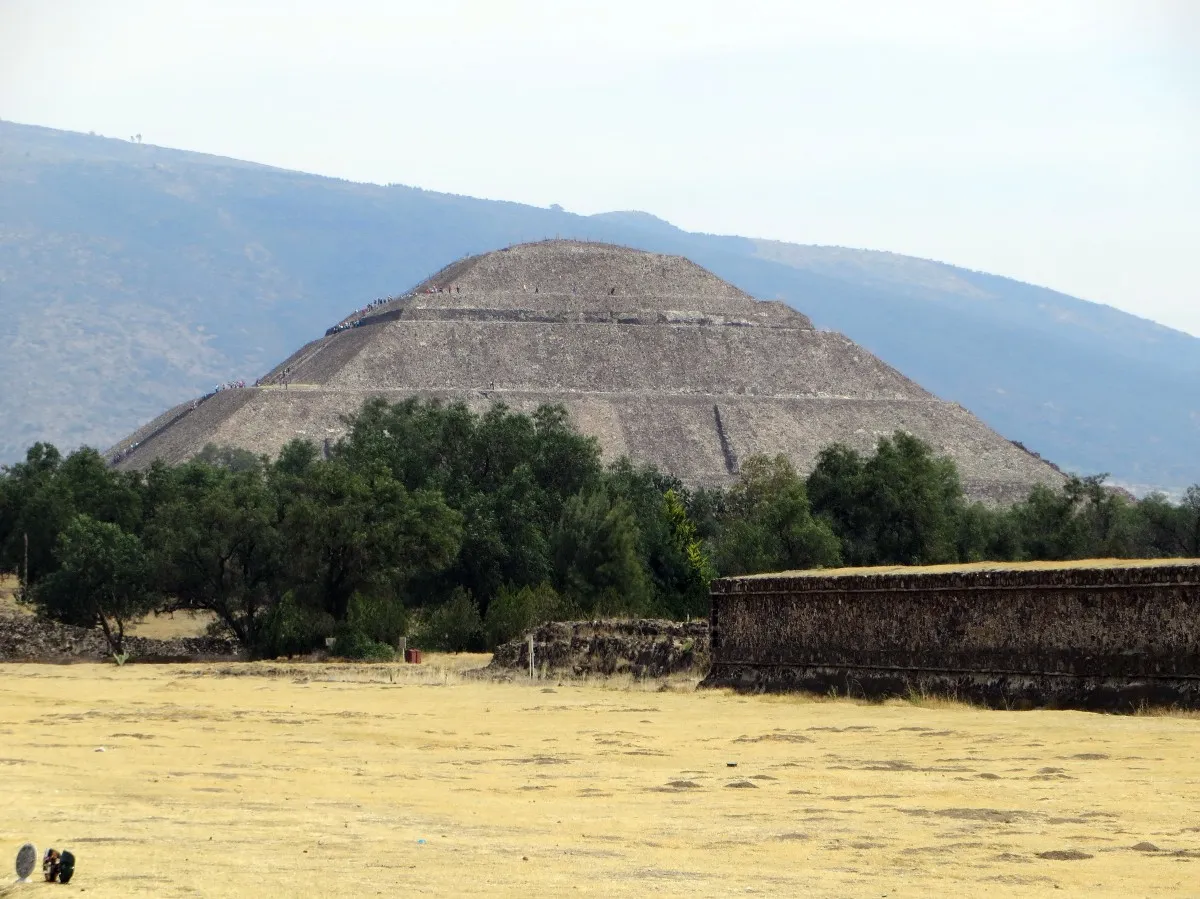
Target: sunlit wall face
point(1054, 143)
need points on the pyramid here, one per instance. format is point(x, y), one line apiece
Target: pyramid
point(656, 357)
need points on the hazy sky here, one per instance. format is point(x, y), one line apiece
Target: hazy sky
point(1053, 141)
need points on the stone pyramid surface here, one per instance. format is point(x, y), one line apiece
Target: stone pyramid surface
point(656, 357)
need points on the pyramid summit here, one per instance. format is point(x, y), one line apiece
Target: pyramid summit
point(653, 355)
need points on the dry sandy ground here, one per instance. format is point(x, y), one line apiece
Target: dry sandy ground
point(329, 780)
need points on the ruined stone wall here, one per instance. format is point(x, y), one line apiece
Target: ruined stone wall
point(25, 638)
point(643, 647)
point(1105, 637)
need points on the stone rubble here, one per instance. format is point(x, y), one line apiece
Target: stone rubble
point(640, 647)
point(25, 638)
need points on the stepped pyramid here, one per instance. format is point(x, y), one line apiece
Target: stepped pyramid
point(656, 357)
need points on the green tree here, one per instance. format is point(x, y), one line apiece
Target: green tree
point(1082, 520)
point(103, 580)
point(767, 523)
point(687, 543)
point(667, 540)
point(348, 530)
point(1163, 526)
point(515, 611)
point(596, 563)
point(1189, 530)
point(40, 497)
point(987, 534)
point(507, 474)
point(455, 626)
point(900, 506)
point(27, 532)
point(216, 545)
point(1050, 527)
point(380, 617)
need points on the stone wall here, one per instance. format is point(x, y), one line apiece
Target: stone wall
point(640, 647)
point(24, 638)
point(1094, 635)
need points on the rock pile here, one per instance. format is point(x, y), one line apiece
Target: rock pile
point(24, 638)
point(641, 647)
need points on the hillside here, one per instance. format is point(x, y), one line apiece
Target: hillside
point(133, 277)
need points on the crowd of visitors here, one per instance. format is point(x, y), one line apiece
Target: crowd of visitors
point(124, 452)
point(119, 455)
point(362, 315)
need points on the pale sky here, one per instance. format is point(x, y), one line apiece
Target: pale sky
point(1057, 142)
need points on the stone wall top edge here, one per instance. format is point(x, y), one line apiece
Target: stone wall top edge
point(1182, 572)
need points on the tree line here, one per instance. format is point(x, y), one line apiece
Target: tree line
point(460, 530)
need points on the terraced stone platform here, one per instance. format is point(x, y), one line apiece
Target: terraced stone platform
point(656, 357)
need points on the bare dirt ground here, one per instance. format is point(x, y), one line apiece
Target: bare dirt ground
point(341, 780)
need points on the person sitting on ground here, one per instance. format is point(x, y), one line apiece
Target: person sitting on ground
point(66, 866)
point(51, 865)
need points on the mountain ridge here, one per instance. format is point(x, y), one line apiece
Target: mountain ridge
point(135, 276)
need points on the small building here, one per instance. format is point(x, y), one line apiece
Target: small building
point(1098, 634)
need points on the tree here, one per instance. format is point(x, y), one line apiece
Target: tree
point(667, 540)
point(507, 474)
point(900, 506)
point(348, 530)
point(699, 570)
point(515, 611)
point(1050, 527)
point(1190, 529)
point(455, 626)
point(767, 523)
point(38, 499)
point(836, 490)
point(21, 485)
point(103, 580)
point(1083, 520)
point(596, 563)
point(915, 499)
point(987, 534)
point(216, 545)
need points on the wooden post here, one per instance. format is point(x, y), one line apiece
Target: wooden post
point(531, 656)
point(401, 646)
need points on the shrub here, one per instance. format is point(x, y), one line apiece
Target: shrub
point(513, 612)
point(455, 626)
point(354, 644)
point(382, 618)
point(293, 628)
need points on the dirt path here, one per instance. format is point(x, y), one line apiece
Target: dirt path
point(352, 781)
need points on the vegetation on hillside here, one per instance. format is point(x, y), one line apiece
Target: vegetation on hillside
point(461, 530)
